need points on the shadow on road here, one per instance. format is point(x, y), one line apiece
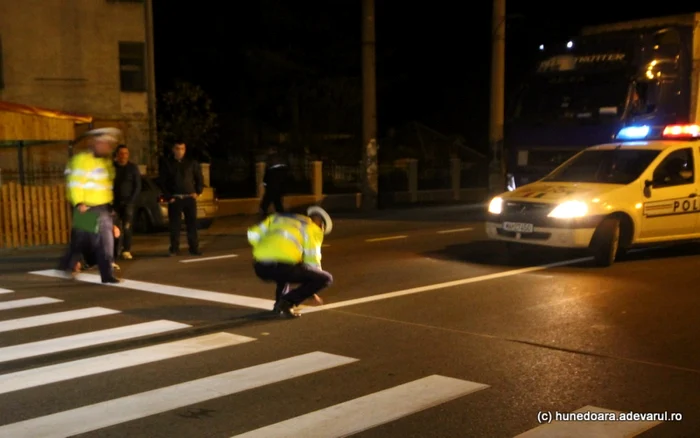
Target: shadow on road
point(488, 252)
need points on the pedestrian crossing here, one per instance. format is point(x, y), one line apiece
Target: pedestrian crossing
point(346, 418)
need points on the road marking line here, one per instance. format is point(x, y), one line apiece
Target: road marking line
point(456, 230)
point(27, 302)
point(196, 294)
point(433, 287)
point(353, 416)
point(90, 418)
point(204, 259)
point(116, 361)
point(89, 339)
point(381, 239)
point(608, 429)
point(5, 291)
point(54, 318)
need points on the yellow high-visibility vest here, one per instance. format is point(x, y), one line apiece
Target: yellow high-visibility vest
point(287, 238)
point(89, 180)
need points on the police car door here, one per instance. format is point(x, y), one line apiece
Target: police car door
point(671, 202)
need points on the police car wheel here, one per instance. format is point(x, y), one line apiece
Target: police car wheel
point(606, 242)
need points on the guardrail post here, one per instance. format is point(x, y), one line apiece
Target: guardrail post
point(317, 179)
point(259, 175)
point(456, 173)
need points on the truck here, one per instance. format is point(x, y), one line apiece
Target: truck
point(583, 91)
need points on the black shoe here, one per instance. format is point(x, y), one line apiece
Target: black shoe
point(111, 280)
point(173, 253)
point(286, 310)
point(195, 252)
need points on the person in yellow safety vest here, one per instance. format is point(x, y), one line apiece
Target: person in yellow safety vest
point(287, 249)
point(89, 177)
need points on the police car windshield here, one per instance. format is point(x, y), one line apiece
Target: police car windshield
point(612, 166)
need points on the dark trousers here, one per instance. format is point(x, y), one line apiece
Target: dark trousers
point(188, 206)
point(100, 246)
point(124, 215)
point(271, 197)
point(310, 281)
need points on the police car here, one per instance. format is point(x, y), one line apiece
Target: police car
point(641, 189)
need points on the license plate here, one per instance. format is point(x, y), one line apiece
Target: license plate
point(518, 227)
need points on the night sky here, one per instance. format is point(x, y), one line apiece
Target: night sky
point(433, 58)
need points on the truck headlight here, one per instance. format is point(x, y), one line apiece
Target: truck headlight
point(569, 210)
point(496, 205)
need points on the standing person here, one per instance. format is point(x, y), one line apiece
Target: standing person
point(90, 177)
point(182, 183)
point(274, 181)
point(287, 249)
point(127, 188)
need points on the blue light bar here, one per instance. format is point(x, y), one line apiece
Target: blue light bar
point(633, 133)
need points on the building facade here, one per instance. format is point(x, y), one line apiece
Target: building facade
point(82, 56)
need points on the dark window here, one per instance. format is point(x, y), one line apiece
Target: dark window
point(2, 76)
point(675, 170)
point(132, 66)
point(607, 166)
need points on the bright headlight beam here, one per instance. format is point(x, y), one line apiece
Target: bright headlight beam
point(496, 205)
point(569, 210)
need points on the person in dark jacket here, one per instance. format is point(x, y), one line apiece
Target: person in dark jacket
point(274, 181)
point(127, 188)
point(182, 183)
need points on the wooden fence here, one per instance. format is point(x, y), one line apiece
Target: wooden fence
point(33, 215)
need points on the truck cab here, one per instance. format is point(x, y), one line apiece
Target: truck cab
point(583, 91)
point(641, 189)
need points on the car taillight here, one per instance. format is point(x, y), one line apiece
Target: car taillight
point(161, 199)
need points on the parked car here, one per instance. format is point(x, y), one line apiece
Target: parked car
point(151, 209)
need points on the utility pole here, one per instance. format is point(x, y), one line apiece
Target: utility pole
point(497, 167)
point(370, 171)
point(151, 78)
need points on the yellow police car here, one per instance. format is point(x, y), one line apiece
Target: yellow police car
point(641, 189)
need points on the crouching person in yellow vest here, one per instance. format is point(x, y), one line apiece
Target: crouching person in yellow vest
point(287, 249)
point(90, 175)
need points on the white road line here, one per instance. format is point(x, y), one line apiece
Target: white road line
point(27, 302)
point(206, 259)
point(433, 287)
point(607, 429)
point(116, 361)
point(196, 294)
point(5, 291)
point(93, 417)
point(54, 318)
point(366, 412)
point(89, 339)
point(381, 239)
point(456, 230)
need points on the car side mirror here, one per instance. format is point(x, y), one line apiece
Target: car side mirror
point(648, 184)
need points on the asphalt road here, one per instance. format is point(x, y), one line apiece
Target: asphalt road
point(427, 331)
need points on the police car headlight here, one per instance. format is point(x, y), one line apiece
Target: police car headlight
point(569, 210)
point(496, 205)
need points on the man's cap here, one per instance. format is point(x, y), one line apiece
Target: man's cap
point(318, 211)
point(109, 134)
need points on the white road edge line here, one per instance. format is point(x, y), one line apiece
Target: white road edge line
point(204, 259)
point(353, 416)
point(54, 318)
point(115, 361)
point(89, 339)
point(456, 230)
point(28, 302)
point(381, 239)
point(608, 429)
point(196, 294)
point(432, 287)
point(92, 417)
point(5, 291)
